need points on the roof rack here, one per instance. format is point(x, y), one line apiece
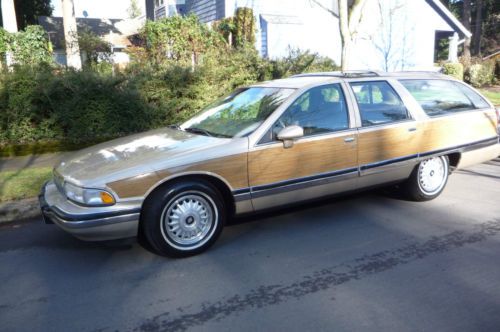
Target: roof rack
point(370, 73)
point(344, 74)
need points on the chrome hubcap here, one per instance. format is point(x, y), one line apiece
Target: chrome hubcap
point(432, 175)
point(188, 219)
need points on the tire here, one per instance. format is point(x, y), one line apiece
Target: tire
point(428, 179)
point(183, 218)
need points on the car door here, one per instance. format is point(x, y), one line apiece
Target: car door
point(322, 162)
point(388, 136)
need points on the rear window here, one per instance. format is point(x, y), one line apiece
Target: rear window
point(378, 103)
point(440, 97)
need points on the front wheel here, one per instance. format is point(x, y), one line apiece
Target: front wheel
point(428, 179)
point(183, 219)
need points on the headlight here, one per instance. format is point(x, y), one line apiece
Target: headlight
point(88, 196)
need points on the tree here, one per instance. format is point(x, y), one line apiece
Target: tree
point(393, 35)
point(71, 35)
point(478, 27)
point(466, 22)
point(350, 17)
point(134, 10)
point(27, 12)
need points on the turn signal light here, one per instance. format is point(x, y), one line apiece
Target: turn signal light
point(107, 198)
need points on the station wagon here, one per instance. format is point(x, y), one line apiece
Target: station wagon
point(269, 145)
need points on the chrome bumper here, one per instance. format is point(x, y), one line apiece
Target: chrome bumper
point(90, 224)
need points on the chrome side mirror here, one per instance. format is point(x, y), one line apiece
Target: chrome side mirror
point(289, 134)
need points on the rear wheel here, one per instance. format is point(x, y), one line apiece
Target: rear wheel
point(183, 219)
point(428, 179)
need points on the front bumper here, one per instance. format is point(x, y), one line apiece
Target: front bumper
point(88, 223)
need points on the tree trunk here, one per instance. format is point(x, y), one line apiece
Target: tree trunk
point(478, 27)
point(345, 34)
point(9, 23)
point(71, 35)
point(466, 22)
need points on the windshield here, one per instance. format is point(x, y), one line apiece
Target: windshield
point(238, 114)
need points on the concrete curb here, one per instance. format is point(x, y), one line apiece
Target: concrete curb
point(19, 210)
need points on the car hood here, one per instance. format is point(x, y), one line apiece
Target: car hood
point(131, 156)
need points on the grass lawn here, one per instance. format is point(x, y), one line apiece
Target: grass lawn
point(23, 183)
point(493, 94)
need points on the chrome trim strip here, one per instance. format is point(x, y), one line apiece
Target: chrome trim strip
point(92, 223)
point(304, 184)
point(242, 197)
point(303, 179)
point(388, 162)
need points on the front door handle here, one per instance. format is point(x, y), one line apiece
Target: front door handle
point(412, 129)
point(349, 139)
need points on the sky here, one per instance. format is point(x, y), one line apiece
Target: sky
point(97, 8)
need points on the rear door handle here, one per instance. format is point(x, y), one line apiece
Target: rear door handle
point(349, 139)
point(412, 129)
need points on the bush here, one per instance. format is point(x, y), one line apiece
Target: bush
point(43, 108)
point(454, 69)
point(481, 74)
point(40, 104)
point(30, 47)
point(298, 62)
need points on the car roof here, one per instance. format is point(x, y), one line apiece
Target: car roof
point(303, 80)
point(294, 82)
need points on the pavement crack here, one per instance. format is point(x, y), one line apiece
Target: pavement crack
point(362, 267)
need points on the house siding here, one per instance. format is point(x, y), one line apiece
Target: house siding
point(206, 10)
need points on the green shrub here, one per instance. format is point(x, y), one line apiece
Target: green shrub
point(298, 62)
point(40, 104)
point(43, 108)
point(30, 47)
point(481, 74)
point(455, 70)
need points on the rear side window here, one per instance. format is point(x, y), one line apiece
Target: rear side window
point(440, 97)
point(378, 103)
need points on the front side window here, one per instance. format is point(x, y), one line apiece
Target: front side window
point(319, 110)
point(378, 103)
point(238, 114)
point(439, 97)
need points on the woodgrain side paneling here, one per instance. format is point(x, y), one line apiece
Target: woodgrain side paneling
point(232, 169)
point(275, 163)
point(450, 131)
point(378, 144)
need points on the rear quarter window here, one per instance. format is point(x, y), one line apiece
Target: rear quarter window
point(441, 97)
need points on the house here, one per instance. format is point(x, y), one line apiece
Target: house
point(117, 32)
point(396, 35)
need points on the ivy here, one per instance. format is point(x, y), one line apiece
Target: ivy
point(29, 47)
point(239, 30)
point(182, 39)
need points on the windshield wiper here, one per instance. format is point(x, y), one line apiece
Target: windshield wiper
point(195, 130)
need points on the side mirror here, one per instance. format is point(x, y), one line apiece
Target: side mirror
point(289, 134)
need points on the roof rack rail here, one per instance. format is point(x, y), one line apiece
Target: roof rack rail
point(344, 74)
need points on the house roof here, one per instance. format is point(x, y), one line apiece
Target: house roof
point(281, 19)
point(114, 31)
point(448, 16)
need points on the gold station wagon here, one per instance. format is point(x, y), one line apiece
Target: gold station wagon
point(269, 145)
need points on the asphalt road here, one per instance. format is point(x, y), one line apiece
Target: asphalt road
point(367, 262)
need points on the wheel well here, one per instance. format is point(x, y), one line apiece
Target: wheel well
point(217, 183)
point(454, 159)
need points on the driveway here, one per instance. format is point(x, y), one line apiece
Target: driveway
point(367, 262)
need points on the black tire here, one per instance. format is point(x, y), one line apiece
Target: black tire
point(414, 188)
point(201, 200)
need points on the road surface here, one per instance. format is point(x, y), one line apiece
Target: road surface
point(367, 262)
